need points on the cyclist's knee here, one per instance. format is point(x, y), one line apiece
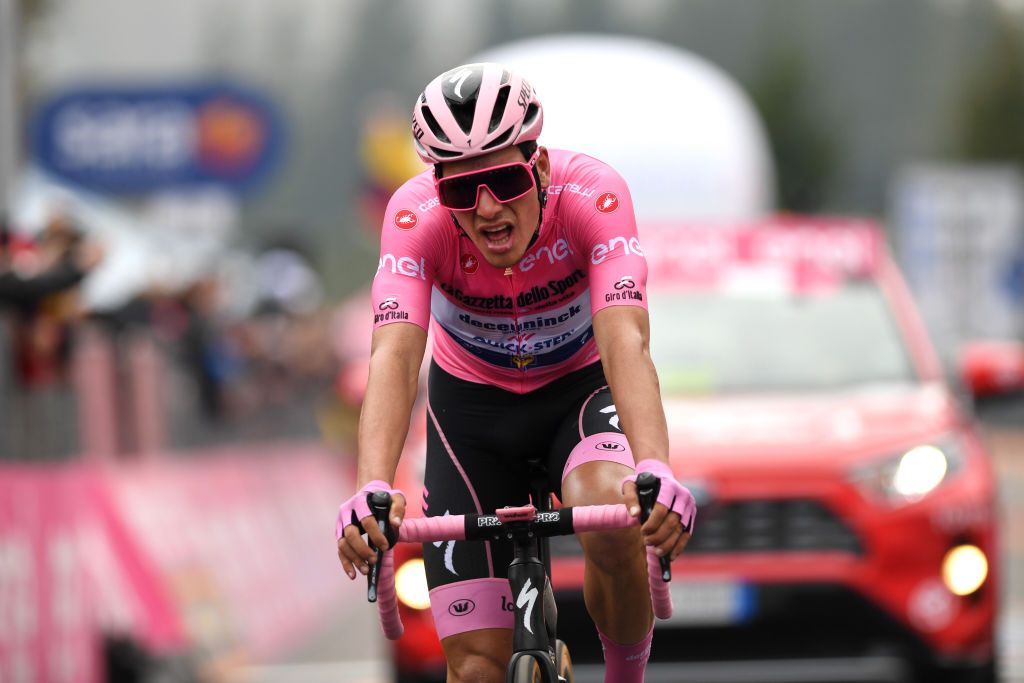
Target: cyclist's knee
point(598, 482)
point(615, 552)
point(478, 656)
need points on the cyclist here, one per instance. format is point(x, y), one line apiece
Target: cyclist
point(529, 263)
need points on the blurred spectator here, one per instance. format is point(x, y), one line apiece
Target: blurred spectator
point(243, 372)
point(40, 284)
point(207, 357)
point(27, 276)
point(38, 288)
point(241, 361)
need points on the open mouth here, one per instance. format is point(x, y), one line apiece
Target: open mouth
point(498, 236)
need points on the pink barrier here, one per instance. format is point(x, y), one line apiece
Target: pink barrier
point(47, 629)
point(226, 552)
point(239, 540)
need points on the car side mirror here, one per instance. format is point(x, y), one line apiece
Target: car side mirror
point(992, 368)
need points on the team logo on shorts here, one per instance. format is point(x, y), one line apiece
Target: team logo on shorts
point(610, 446)
point(469, 264)
point(460, 608)
point(607, 202)
point(406, 220)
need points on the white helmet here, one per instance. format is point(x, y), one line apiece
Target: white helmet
point(472, 110)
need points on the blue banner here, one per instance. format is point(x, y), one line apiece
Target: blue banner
point(143, 139)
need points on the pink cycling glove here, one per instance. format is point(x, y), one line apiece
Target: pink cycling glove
point(673, 495)
point(356, 507)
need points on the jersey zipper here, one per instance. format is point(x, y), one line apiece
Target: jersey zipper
point(516, 332)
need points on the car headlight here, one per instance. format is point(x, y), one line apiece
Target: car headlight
point(912, 474)
point(964, 569)
point(411, 584)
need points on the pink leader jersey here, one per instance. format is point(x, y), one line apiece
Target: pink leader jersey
point(521, 327)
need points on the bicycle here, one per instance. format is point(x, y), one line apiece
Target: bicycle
point(538, 655)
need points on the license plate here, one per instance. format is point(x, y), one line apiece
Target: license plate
point(711, 602)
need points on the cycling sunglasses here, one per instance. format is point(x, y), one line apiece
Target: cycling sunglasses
point(507, 182)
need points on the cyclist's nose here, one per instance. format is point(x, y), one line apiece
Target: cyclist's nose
point(487, 206)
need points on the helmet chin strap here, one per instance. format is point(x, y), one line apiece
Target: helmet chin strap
point(543, 196)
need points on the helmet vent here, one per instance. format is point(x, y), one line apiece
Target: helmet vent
point(463, 112)
point(500, 140)
point(435, 127)
point(499, 108)
point(505, 75)
point(444, 153)
point(531, 115)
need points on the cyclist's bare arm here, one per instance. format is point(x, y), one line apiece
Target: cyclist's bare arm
point(395, 358)
point(623, 340)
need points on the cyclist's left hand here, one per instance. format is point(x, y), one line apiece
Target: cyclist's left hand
point(671, 523)
point(355, 519)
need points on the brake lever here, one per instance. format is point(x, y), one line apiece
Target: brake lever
point(647, 488)
point(380, 504)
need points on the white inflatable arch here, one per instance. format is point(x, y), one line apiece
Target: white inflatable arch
point(679, 129)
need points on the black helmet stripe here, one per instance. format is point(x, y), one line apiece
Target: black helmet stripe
point(461, 90)
point(462, 84)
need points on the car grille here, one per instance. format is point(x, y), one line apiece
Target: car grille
point(771, 525)
point(786, 525)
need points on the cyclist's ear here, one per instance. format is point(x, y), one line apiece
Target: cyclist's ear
point(543, 168)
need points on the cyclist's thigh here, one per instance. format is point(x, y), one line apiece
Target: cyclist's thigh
point(474, 438)
point(590, 434)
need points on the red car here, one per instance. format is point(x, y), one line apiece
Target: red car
point(847, 524)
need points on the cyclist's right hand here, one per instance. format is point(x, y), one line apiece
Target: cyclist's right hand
point(355, 519)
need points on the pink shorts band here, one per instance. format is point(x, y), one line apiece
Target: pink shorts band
point(609, 446)
point(471, 606)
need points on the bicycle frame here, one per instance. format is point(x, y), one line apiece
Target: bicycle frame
point(535, 616)
point(535, 620)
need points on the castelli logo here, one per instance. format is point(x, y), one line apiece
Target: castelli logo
point(607, 202)
point(405, 219)
point(469, 264)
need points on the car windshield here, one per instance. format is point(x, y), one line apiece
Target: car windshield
point(732, 342)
